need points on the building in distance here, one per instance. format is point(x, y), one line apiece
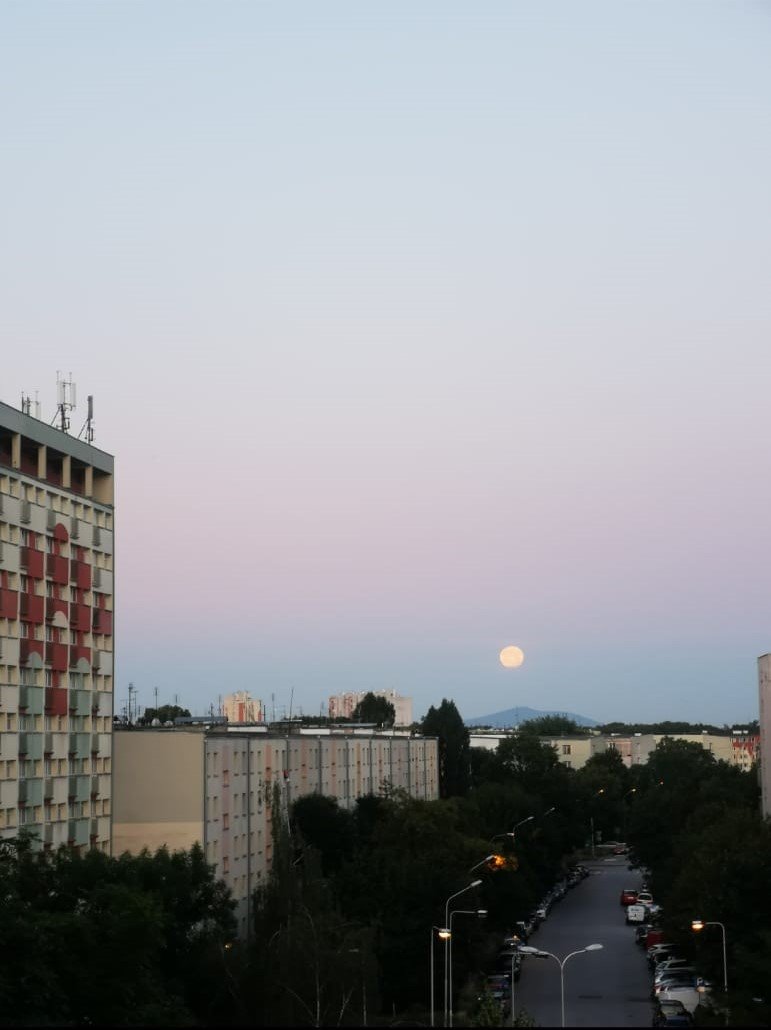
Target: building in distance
point(342, 706)
point(241, 707)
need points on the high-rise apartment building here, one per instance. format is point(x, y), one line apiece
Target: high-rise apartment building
point(56, 634)
point(343, 705)
point(241, 707)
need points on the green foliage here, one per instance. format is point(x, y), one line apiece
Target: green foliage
point(375, 709)
point(71, 926)
point(164, 713)
point(486, 1011)
point(630, 728)
point(552, 726)
point(446, 723)
point(326, 827)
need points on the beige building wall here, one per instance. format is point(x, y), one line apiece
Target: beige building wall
point(158, 794)
point(764, 689)
point(342, 705)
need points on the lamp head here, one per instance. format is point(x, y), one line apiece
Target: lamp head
point(697, 925)
point(482, 913)
point(594, 947)
point(444, 934)
point(476, 883)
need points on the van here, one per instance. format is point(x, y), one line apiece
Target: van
point(635, 914)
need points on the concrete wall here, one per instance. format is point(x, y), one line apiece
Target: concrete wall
point(158, 796)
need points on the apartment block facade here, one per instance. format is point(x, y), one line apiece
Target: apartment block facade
point(343, 705)
point(56, 635)
point(177, 786)
point(764, 718)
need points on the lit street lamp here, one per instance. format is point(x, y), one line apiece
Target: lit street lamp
point(539, 953)
point(443, 933)
point(697, 925)
point(470, 886)
point(484, 861)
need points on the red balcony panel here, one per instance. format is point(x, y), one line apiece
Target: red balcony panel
point(78, 652)
point(57, 568)
point(27, 647)
point(56, 656)
point(32, 608)
point(80, 574)
point(9, 604)
point(33, 562)
point(102, 621)
point(56, 700)
point(80, 617)
point(54, 605)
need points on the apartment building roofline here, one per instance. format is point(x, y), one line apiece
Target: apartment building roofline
point(41, 433)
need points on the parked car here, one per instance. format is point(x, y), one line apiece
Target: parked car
point(688, 996)
point(628, 896)
point(654, 936)
point(671, 965)
point(635, 914)
point(672, 1013)
point(644, 898)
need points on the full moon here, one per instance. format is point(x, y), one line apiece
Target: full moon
point(512, 657)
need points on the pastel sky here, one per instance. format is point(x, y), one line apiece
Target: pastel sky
point(416, 329)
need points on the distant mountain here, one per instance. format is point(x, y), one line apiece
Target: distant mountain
point(514, 716)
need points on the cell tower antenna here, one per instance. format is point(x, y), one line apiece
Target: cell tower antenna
point(88, 425)
point(65, 401)
point(26, 403)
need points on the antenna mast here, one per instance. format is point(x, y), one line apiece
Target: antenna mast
point(65, 393)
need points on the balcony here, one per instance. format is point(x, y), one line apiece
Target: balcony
point(77, 651)
point(33, 562)
point(9, 604)
point(79, 788)
point(55, 605)
point(95, 743)
point(78, 832)
point(102, 621)
point(27, 647)
point(32, 699)
point(95, 787)
point(32, 608)
point(31, 792)
point(80, 702)
point(57, 568)
point(80, 574)
point(56, 656)
point(31, 745)
point(80, 617)
point(80, 744)
point(56, 700)
point(48, 789)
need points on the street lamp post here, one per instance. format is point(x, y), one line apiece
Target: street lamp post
point(540, 953)
point(481, 913)
point(697, 925)
point(443, 933)
point(468, 887)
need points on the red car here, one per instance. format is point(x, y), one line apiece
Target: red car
point(628, 897)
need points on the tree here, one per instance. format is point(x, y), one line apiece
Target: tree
point(165, 713)
point(552, 726)
point(446, 723)
point(373, 708)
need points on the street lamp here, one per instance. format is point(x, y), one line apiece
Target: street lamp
point(511, 833)
point(697, 925)
point(470, 886)
point(443, 933)
point(539, 953)
point(484, 861)
point(481, 913)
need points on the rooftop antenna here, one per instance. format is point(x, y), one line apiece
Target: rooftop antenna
point(88, 425)
point(65, 401)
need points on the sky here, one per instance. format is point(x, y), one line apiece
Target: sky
point(416, 330)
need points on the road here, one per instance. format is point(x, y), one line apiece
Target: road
point(602, 988)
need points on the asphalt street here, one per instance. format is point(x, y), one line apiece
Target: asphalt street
point(602, 988)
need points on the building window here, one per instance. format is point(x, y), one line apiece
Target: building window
point(566, 749)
